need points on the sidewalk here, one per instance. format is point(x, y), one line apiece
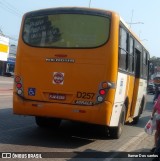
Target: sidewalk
point(145, 145)
point(6, 86)
point(140, 146)
point(3, 78)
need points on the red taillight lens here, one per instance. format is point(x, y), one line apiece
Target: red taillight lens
point(19, 85)
point(102, 92)
point(17, 79)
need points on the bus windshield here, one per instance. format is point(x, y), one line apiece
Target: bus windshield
point(66, 31)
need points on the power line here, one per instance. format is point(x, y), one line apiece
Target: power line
point(12, 38)
point(13, 7)
point(90, 3)
point(1, 31)
point(7, 36)
point(10, 8)
point(13, 10)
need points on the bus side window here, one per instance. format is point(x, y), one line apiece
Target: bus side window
point(137, 63)
point(131, 55)
point(123, 49)
point(145, 64)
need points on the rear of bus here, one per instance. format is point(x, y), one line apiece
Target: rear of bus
point(66, 65)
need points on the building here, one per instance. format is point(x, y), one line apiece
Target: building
point(9, 65)
point(4, 53)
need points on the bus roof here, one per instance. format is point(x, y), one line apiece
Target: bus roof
point(69, 10)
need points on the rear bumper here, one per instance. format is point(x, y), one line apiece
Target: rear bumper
point(98, 114)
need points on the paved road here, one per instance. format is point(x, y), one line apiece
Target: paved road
point(20, 134)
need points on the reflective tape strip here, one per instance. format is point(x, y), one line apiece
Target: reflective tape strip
point(3, 48)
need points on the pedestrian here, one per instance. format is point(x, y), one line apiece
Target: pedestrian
point(157, 150)
point(156, 109)
point(157, 92)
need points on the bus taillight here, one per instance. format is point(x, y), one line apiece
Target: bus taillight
point(100, 99)
point(17, 79)
point(102, 92)
point(20, 92)
point(103, 89)
point(104, 85)
point(19, 86)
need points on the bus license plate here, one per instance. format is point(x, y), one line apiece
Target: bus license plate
point(55, 96)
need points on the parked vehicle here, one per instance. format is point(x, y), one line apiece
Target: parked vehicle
point(156, 82)
point(9, 74)
point(157, 92)
point(151, 88)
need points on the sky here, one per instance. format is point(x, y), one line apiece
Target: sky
point(141, 15)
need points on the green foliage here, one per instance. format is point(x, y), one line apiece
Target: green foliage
point(155, 61)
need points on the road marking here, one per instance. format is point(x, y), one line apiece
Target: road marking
point(138, 138)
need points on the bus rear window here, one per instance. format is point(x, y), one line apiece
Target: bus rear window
point(66, 31)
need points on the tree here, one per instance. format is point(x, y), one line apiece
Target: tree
point(155, 61)
point(154, 64)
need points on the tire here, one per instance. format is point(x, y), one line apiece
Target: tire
point(115, 132)
point(135, 120)
point(47, 122)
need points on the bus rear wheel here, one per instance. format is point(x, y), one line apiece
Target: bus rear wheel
point(136, 119)
point(115, 132)
point(47, 122)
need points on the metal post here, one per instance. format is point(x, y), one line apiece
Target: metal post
point(90, 3)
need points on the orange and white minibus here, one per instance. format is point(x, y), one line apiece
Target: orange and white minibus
point(79, 64)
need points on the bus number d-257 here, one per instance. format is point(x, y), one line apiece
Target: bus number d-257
point(85, 95)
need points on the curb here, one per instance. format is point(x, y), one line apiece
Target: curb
point(137, 139)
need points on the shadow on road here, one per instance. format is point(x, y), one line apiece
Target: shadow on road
point(20, 130)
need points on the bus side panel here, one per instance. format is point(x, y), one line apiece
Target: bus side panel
point(119, 98)
point(129, 95)
point(139, 93)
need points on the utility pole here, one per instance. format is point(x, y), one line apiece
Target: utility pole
point(1, 32)
point(133, 23)
point(90, 3)
point(131, 17)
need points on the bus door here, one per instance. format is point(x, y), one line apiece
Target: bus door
point(135, 103)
